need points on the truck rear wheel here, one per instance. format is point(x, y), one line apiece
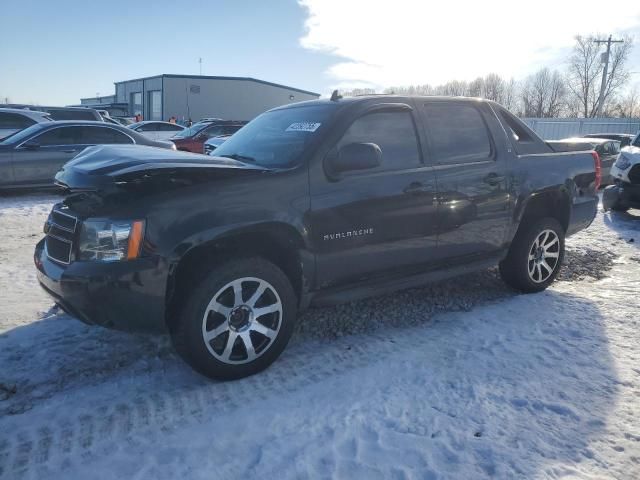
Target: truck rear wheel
point(238, 320)
point(535, 256)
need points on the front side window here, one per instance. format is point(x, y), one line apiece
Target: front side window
point(393, 132)
point(59, 136)
point(457, 133)
point(278, 138)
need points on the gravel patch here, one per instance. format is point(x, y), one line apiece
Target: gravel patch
point(419, 305)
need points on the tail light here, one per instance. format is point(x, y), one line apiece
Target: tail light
point(596, 161)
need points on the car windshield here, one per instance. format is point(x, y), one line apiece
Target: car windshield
point(636, 141)
point(191, 131)
point(21, 135)
point(277, 138)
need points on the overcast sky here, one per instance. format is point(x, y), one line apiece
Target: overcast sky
point(59, 51)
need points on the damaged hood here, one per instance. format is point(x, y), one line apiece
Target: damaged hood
point(106, 167)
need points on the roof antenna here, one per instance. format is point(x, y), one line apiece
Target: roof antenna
point(335, 96)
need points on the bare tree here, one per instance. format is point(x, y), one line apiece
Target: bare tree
point(628, 105)
point(493, 87)
point(585, 72)
point(509, 97)
point(357, 91)
point(543, 94)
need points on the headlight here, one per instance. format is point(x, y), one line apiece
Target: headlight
point(110, 241)
point(623, 162)
point(173, 146)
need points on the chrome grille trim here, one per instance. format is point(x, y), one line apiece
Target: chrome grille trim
point(65, 234)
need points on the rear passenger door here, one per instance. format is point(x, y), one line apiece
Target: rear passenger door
point(368, 222)
point(473, 200)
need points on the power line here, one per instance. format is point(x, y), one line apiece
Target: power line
point(603, 85)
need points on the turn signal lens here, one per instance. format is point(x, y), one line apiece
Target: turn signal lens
point(135, 239)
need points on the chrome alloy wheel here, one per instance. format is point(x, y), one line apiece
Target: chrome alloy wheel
point(242, 320)
point(544, 255)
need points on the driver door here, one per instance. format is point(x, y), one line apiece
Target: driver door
point(37, 160)
point(369, 222)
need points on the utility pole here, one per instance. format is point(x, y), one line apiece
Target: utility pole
point(200, 62)
point(603, 85)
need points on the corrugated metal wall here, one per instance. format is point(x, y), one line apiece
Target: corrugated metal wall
point(557, 128)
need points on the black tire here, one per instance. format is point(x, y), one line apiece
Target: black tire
point(188, 335)
point(515, 268)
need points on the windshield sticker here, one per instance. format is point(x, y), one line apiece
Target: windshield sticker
point(303, 127)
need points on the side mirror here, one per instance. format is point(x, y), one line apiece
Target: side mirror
point(355, 156)
point(31, 145)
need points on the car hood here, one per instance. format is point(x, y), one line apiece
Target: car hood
point(106, 167)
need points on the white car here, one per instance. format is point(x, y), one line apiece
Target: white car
point(13, 120)
point(157, 130)
point(625, 193)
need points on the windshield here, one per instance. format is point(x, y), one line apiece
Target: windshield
point(21, 134)
point(277, 138)
point(191, 131)
point(636, 141)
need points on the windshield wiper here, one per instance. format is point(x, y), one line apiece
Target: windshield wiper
point(237, 156)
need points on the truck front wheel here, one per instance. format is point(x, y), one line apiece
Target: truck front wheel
point(238, 320)
point(535, 256)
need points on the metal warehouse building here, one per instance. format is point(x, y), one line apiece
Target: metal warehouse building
point(196, 96)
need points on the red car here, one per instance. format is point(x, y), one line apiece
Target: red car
point(192, 139)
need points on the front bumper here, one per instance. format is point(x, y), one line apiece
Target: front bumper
point(128, 295)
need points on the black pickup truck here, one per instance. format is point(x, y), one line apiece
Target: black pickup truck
point(309, 204)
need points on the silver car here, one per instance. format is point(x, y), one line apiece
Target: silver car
point(31, 157)
point(13, 120)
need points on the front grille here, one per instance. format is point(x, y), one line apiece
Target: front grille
point(634, 174)
point(61, 232)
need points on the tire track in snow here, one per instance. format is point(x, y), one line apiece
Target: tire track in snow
point(102, 429)
point(93, 432)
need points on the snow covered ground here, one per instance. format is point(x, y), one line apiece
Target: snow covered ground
point(460, 380)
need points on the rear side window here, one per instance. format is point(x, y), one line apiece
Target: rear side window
point(169, 127)
point(14, 120)
point(457, 133)
point(231, 129)
point(213, 131)
point(393, 132)
point(71, 115)
point(148, 127)
point(101, 135)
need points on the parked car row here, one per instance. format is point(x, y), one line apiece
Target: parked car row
point(35, 141)
point(32, 156)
